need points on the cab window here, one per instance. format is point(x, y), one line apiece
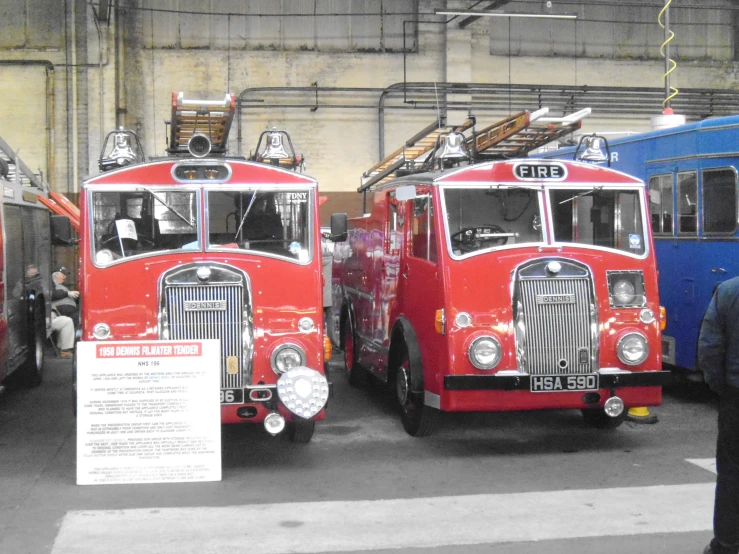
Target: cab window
point(423, 232)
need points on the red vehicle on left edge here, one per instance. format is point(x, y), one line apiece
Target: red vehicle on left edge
point(203, 246)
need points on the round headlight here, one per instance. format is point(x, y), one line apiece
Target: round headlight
point(287, 356)
point(104, 257)
point(623, 292)
point(485, 352)
point(101, 331)
point(632, 348)
point(306, 325)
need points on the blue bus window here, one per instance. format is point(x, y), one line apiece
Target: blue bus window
point(719, 200)
point(687, 194)
point(660, 204)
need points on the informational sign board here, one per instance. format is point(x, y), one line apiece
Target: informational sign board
point(148, 412)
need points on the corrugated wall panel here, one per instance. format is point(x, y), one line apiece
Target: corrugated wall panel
point(160, 29)
point(615, 31)
point(194, 28)
point(263, 32)
point(333, 33)
point(298, 32)
point(45, 29)
point(12, 23)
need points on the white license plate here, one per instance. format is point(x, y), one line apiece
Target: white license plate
point(563, 383)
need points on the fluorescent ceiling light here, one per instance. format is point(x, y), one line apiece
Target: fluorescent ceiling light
point(502, 14)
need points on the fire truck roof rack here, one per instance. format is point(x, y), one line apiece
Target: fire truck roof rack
point(200, 127)
point(521, 133)
point(413, 149)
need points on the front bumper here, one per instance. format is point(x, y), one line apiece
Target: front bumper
point(523, 382)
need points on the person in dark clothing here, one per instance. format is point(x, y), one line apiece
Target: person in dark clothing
point(718, 359)
point(63, 299)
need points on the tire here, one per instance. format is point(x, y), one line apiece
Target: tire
point(417, 418)
point(30, 375)
point(301, 432)
point(597, 418)
point(348, 345)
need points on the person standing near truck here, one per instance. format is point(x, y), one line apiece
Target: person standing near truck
point(718, 359)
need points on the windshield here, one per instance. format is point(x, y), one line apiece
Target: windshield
point(599, 217)
point(493, 216)
point(275, 222)
point(136, 222)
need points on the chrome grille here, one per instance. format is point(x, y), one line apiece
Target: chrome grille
point(556, 337)
point(209, 300)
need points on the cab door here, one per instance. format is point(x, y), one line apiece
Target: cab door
point(420, 284)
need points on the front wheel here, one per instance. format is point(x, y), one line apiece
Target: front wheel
point(599, 419)
point(417, 418)
point(31, 373)
point(301, 432)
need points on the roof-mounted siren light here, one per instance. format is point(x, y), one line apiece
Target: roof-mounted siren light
point(275, 150)
point(451, 147)
point(126, 150)
point(276, 145)
point(590, 150)
point(199, 145)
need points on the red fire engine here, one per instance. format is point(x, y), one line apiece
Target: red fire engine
point(504, 285)
point(202, 246)
point(27, 232)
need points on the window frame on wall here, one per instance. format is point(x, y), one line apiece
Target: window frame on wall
point(709, 201)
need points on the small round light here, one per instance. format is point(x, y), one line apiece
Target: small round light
point(485, 352)
point(623, 292)
point(554, 267)
point(286, 357)
point(614, 406)
point(646, 316)
point(101, 331)
point(274, 423)
point(104, 257)
point(463, 319)
point(632, 348)
point(306, 325)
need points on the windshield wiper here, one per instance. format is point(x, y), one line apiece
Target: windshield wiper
point(595, 189)
point(171, 209)
point(251, 203)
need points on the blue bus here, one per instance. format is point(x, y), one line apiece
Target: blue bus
point(691, 171)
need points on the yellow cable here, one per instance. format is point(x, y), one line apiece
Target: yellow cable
point(662, 51)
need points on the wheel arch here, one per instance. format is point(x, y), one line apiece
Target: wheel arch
point(403, 334)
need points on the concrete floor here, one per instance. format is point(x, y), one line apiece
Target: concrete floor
point(361, 453)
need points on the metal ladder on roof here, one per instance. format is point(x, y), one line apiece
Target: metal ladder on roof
point(413, 149)
point(190, 117)
point(519, 134)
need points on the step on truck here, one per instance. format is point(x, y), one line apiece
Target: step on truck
point(199, 245)
point(503, 285)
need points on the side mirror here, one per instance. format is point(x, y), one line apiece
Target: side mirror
point(338, 227)
point(61, 230)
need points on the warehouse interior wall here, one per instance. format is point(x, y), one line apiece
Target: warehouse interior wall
point(116, 63)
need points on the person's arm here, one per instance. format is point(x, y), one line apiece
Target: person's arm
point(712, 346)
